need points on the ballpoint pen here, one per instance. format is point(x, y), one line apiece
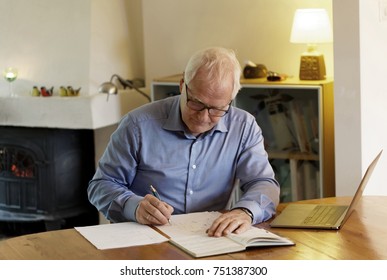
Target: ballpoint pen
point(156, 194)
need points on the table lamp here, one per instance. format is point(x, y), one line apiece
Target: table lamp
point(311, 26)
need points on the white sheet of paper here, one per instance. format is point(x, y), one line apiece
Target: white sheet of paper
point(109, 236)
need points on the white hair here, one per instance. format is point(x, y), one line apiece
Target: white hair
point(218, 63)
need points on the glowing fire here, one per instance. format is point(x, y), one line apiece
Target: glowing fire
point(16, 163)
point(22, 172)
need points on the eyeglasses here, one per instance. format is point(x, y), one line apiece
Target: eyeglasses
point(199, 106)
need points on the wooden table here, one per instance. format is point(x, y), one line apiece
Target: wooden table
point(362, 237)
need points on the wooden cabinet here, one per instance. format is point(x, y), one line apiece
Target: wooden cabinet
point(297, 122)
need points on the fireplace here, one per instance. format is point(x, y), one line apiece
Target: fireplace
point(44, 173)
point(47, 157)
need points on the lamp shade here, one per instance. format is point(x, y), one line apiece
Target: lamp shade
point(311, 26)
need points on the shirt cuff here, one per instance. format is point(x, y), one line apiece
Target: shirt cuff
point(130, 207)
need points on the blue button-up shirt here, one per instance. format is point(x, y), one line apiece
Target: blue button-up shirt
point(151, 146)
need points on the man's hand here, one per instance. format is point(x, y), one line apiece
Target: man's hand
point(235, 221)
point(152, 211)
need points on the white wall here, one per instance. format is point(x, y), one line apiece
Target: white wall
point(360, 94)
point(70, 42)
point(347, 96)
point(116, 42)
point(258, 30)
point(373, 88)
point(33, 33)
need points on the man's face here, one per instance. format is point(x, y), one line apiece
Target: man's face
point(202, 94)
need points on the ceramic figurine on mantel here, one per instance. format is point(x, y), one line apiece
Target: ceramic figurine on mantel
point(69, 91)
point(73, 92)
point(63, 91)
point(35, 91)
point(46, 92)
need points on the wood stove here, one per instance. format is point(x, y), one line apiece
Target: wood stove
point(44, 173)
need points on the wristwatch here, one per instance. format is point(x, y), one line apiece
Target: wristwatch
point(247, 211)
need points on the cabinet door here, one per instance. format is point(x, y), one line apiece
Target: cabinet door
point(290, 119)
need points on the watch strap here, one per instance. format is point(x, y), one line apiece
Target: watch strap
point(247, 211)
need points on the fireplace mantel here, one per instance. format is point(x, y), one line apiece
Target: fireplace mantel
point(80, 112)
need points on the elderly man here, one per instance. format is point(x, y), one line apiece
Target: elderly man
point(191, 148)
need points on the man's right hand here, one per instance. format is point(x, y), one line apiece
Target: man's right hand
point(152, 211)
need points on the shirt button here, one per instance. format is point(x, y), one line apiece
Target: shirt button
point(191, 192)
point(194, 166)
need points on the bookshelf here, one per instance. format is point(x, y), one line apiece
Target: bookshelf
point(297, 123)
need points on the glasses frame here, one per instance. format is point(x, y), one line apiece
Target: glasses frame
point(209, 108)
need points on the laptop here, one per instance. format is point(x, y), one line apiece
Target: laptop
point(322, 216)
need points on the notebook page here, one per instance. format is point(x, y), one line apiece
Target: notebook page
point(201, 245)
point(189, 224)
point(259, 237)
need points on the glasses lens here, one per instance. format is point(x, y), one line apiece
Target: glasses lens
point(216, 112)
point(197, 106)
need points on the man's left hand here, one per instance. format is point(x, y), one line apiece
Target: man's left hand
point(235, 221)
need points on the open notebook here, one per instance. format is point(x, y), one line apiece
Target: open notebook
point(324, 216)
point(186, 231)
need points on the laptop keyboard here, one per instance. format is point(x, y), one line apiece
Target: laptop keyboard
point(325, 215)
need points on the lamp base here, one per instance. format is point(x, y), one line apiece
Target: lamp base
point(312, 66)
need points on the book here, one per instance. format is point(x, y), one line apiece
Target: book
point(298, 118)
point(188, 232)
